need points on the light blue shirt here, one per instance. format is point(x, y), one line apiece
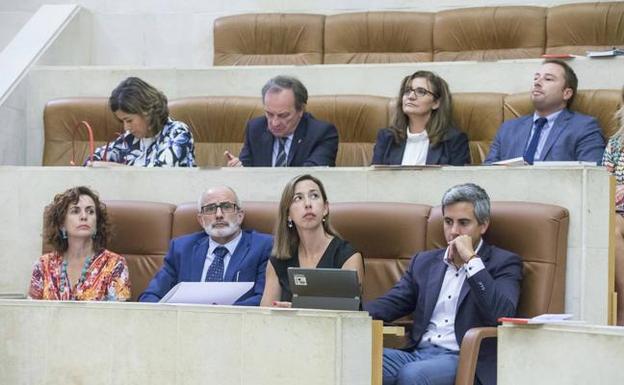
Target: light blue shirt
point(287, 144)
point(212, 245)
point(550, 121)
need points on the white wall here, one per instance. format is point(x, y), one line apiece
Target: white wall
point(59, 343)
point(24, 192)
point(10, 24)
point(560, 354)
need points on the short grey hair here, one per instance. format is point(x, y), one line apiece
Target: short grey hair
point(282, 82)
point(201, 196)
point(472, 193)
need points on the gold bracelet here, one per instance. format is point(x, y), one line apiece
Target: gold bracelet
point(471, 257)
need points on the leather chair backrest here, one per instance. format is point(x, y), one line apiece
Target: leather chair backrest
point(578, 28)
point(357, 118)
point(601, 104)
point(489, 33)
point(268, 39)
point(386, 234)
point(478, 115)
point(378, 37)
point(60, 118)
point(217, 123)
point(536, 232)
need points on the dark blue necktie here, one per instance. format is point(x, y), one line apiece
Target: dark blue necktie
point(280, 160)
point(529, 154)
point(216, 269)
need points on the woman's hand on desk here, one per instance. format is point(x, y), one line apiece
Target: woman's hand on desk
point(282, 304)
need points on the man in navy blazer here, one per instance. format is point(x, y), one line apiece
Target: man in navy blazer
point(564, 136)
point(448, 291)
point(223, 252)
point(286, 136)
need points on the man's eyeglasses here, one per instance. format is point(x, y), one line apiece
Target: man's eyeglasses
point(226, 207)
point(419, 91)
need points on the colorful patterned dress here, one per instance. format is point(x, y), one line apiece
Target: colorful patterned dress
point(172, 147)
point(613, 160)
point(106, 279)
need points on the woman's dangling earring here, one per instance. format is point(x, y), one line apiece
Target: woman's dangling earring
point(290, 223)
point(324, 219)
point(63, 233)
point(94, 234)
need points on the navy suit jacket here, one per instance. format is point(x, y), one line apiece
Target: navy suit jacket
point(573, 137)
point(315, 143)
point(185, 259)
point(453, 150)
point(488, 295)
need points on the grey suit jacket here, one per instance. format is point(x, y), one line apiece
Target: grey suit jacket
point(573, 137)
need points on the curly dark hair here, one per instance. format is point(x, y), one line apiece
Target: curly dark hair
point(55, 213)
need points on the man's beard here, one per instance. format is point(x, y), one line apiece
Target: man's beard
point(220, 232)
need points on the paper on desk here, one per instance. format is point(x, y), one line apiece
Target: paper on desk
point(540, 319)
point(207, 293)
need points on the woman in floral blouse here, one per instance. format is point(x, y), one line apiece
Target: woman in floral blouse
point(151, 137)
point(79, 268)
point(613, 160)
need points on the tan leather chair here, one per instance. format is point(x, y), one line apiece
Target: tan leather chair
point(262, 39)
point(539, 234)
point(141, 233)
point(60, 118)
point(489, 33)
point(217, 123)
point(387, 235)
point(478, 115)
point(578, 28)
point(357, 118)
point(378, 37)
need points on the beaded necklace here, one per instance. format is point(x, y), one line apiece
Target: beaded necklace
point(83, 274)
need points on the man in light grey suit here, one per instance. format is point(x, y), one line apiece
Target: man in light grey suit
point(552, 132)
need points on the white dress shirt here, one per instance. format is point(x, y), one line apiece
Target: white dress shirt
point(441, 329)
point(416, 148)
point(212, 245)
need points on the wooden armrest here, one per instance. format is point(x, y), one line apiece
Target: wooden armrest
point(398, 331)
point(469, 353)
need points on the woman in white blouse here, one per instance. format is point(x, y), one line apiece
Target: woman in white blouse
point(422, 130)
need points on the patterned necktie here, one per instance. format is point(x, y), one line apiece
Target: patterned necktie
point(280, 160)
point(529, 154)
point(216, 269)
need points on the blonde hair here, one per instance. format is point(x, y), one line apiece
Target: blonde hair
point(286, 241)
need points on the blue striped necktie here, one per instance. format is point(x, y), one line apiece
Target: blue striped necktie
point(280, 160)
point(216, 269)
point(529, 154)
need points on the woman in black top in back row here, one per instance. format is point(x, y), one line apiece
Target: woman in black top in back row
point(304, 237)
point(422, 130)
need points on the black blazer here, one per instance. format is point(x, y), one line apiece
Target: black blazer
point(315, 143)
point(453, 150)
